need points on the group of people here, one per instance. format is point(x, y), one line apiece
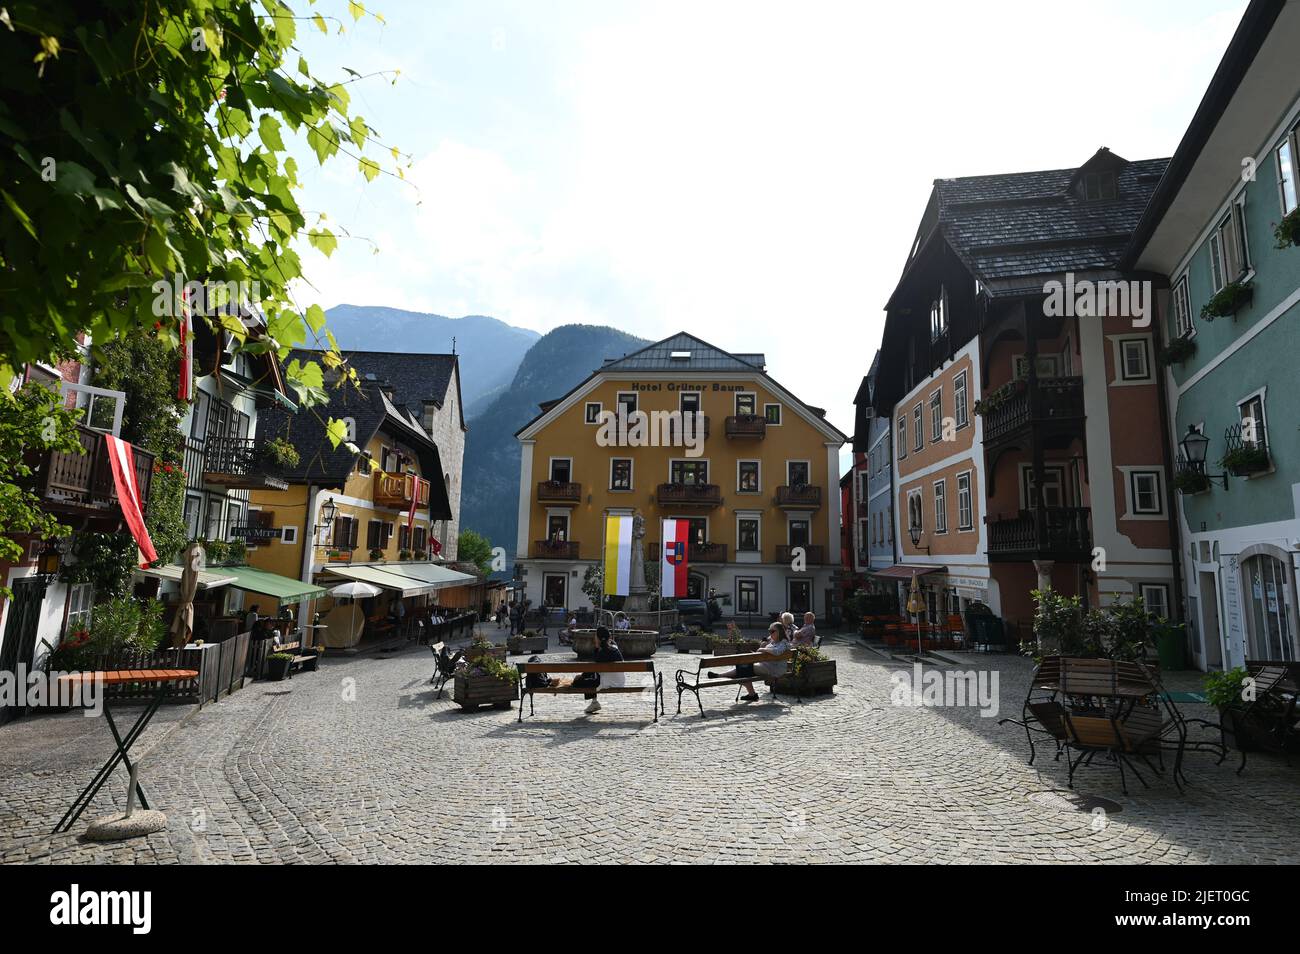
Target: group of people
point(782, 636)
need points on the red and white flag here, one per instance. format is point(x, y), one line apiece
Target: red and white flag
point(122, 458)
point(672, 570)
point(415, 502)
point(185, 390)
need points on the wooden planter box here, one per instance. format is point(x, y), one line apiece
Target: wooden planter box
point(686, 643)
point(526, 645)
point(499, 652)
point(470, 692)
point(814, 678)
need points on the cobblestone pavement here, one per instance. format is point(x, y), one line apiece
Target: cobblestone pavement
point(360, 763)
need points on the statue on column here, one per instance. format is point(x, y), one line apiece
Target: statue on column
point(638, 599)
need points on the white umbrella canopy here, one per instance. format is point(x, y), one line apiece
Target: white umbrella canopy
point(355, 590)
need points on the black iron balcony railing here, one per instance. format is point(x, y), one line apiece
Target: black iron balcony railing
point(240, 462)
point(1062, 533)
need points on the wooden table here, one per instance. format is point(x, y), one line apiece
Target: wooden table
point(162, 678)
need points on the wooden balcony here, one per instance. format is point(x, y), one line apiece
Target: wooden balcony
point(555, 549)
point(746, 426)
point(398, 490)
point(813, 554)
point(83, 482)
point(706, 553)
point(559, 491)
point(689, 495)
point(806, 497)
point(1062, 534)
point(691, 424)
point(240, 463)
point(1054, 404)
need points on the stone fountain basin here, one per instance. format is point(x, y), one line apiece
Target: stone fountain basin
point(635, 643)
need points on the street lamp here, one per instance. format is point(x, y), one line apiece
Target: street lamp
point(914, 531)
point(1195, 445)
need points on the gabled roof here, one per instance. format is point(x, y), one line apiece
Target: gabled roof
point(373, 413)
point(701, 356)
point(413, 378)
point(1037, 223)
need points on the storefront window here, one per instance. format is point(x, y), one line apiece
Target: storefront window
point(1270, 610)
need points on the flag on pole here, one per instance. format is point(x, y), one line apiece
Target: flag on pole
point(122, 458)
point(672, 572)
point(618, 554)
point(185, 389)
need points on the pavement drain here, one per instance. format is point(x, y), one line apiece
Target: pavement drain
point(1063, 801)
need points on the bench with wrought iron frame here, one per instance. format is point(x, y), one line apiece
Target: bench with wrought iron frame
point(656, 685)
point(444, 661)
point(702, 680)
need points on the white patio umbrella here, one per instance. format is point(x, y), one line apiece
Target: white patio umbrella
point(355, 590)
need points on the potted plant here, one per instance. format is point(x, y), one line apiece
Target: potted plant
point(1287, 232)
point(421, 554)
point(485, 681)
point(480, 647)
point(810, 672)
point(376, 553)
point(1191, 482)
point(404, 555)
point(218, 551)
point(1244, 730)
point(1246, 459)
point(527, 643)
point(693, 640)
point(279, 454)
point(1228, 300)
point(1178, 351)
point(277, 666)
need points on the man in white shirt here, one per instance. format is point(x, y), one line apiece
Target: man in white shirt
point(806, 635)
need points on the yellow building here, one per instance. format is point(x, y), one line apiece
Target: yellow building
point(759, 484)
point(346, 515)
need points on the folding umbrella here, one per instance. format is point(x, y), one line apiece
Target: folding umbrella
point(355, 590)
point(183, 624)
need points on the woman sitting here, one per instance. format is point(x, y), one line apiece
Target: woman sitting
point(778, 645)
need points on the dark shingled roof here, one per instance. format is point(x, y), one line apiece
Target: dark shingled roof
point(330, 466)
point(414, 378)
point(1036, 223)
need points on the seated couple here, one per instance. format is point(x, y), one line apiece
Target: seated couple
point(607, 651)
point(777, 643)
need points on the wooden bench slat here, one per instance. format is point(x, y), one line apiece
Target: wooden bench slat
point(744, 658)
point(543, 667)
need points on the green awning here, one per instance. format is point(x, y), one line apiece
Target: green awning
point(208, 579)
point(285, 589)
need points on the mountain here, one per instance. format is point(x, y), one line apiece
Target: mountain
point(559, 361)
point(490, 350)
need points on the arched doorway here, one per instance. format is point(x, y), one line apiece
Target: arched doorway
point(1270, 606)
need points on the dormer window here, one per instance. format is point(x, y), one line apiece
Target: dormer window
point(939, 315)
point(1099, 185)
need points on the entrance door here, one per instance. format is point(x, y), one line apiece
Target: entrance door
point(555, 589)
point(1209, 600)
point(800, 597)
point(19, 641)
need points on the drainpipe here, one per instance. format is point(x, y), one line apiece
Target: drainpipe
point(1166, 441)
point(308, 549)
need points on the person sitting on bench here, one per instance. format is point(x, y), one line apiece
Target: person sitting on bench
point(776, 644)
point(606, 652)
point(806, 635)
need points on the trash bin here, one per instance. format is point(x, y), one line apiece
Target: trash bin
point(1171, 649)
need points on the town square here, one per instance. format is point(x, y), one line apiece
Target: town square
point(487, 433)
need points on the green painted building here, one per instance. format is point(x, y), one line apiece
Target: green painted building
point(1230, 316)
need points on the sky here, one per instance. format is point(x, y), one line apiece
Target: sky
point(753, 173)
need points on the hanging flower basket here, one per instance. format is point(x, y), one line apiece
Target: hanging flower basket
point(1229, 300)
point(1178, 351)
point(1287, 232)
point(1191, 482)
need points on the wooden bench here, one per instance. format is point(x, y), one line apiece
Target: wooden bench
point(739, 659)
point(300, 658)
point(547, 668)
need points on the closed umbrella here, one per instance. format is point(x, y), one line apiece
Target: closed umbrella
point(355, 590)
point(916, 605)
point(183, 624)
